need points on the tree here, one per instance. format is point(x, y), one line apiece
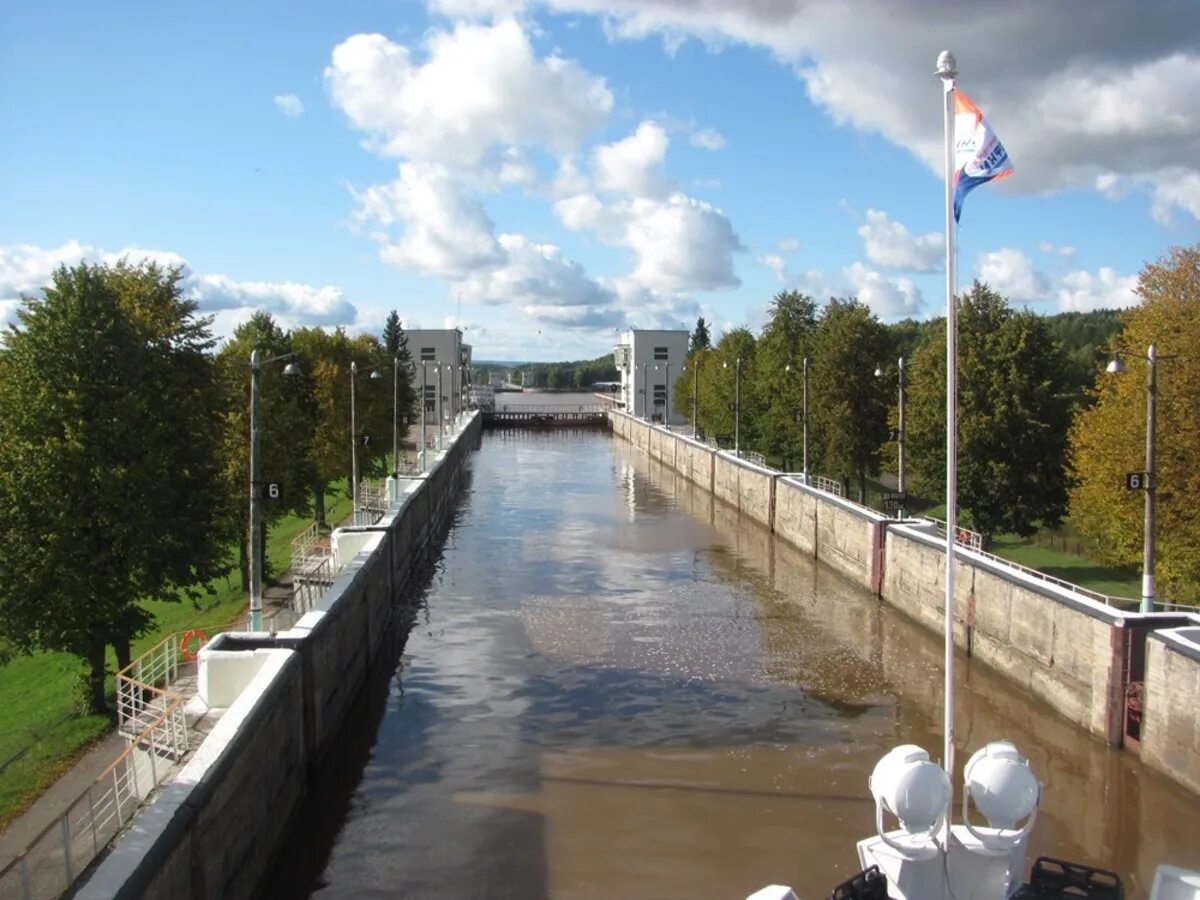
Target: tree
point(394, 339)
point(785, 341)
point(1109, 438)
point(1014, 412)
point(847, 403)
point(700, 339)
point(110, 461)
point(287, 417)
point(717, 389)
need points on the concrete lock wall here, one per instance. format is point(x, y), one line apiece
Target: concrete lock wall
point(216, 829)
point(1067, 650)
point(1171, 714)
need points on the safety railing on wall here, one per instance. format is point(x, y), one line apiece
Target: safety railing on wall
point(828, 485)
point(310, 581)
point(372, 503)
point(144, 689)
point(53, 860)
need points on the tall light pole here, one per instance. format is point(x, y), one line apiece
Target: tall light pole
point(374, 370)
point(256, 536)
point(737, 406)
point(644, 397)
point(441, 412)
point(1116, 367)
point(899, 434)
point(424, 405)
point(804, 410)
point(695, 385)
point(395, 417)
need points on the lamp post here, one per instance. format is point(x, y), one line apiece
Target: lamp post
point(737, 406)
point(441, 413)
point(396, 417)
point(374, 370)
point(899, 433)
point(256, 537)
point(804, 410)
point(695, 384)
point(1116, 367)
point(644, 398)
point(424, 405)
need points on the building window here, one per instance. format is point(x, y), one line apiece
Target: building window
point(430, 397)
point(660, 352)
point(428, 354)
point(660, 395)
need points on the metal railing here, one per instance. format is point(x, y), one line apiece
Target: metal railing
point(143, 686)
point(372, 503)
point(552, 408)
point(310, 580)
point(53, 860)
point(303, 543)
point(828, 485)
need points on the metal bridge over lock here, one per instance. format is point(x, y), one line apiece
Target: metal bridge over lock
point(578, 416)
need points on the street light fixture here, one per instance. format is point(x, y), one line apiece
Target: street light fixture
point(256, 537)
point(737, 406)
point(374, 376)
point(803, 411)
point(879, 373)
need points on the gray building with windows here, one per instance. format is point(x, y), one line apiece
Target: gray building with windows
point(650, 362)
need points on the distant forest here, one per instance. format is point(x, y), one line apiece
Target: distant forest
point(1083, 335)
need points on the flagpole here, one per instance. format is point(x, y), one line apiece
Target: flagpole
point(947, 72)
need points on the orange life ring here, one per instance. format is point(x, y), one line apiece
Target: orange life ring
point(185, 653)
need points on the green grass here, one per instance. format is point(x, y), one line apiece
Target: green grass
point(1112, 580)
point(38, 719)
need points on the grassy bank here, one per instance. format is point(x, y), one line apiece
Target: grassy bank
point(41, 734)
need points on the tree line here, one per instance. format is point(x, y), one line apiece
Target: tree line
point(124, 449)
point(1043, 432)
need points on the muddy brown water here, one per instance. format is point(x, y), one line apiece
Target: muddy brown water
point(607, 685)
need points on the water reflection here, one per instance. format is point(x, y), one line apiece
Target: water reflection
point(619, 688)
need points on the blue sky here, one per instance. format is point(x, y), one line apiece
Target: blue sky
point(561, 169)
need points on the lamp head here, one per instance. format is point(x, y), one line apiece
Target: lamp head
point(1115, 367)
point(291, 369)
point(375, 376)
point(913, 789)
point(1003, 788)
point(879, 371)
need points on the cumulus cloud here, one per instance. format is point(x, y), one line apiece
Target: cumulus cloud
point(632, 165)
point(888, 298)
point(1118, 100)
point(889, 244)
point(1082, 291)
point(535, 276)
point(478, 88)
point(289, 105)
point(1011, 273)
point(789, 245)
point(25, 269)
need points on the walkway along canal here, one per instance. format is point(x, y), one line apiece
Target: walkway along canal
point(611, 685)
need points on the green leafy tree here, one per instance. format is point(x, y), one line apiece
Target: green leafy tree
point(847, 403)
point(700, 339)
point(1014, 412)
point(287, 417)
point(717, 388)
point(786, 339)
point(1109, 438)
point(110, 461)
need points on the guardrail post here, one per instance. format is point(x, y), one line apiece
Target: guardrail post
point(117, 798)
point(153, 764)
point(92, 819)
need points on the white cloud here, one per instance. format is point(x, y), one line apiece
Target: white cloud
point(1011, 273)
point(535, 276)
point(1082, 291)
point(888, 298)
point(289, 104)
point(1119, 99)
point(446, 230)
point(479, 89)
point(632, 165)
point(776, 264)
point(889, 244)
point(26, 269)
point(708, 139)
point(789, 245)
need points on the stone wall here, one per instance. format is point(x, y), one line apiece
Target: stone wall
point(1171, 718)
point(216, 830)
point(1058, 645)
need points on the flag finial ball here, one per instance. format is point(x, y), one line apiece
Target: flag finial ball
point(946, 67)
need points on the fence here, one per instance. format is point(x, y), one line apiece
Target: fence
point(310, 581)
point(372, 503)
point(49, 865)
point(828, 485)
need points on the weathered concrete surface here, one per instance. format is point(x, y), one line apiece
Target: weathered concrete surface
point(1171, 721)
point(1059, 646)
point(216, 830)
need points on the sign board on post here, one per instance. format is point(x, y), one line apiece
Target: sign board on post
point(274, 490)
point(895, 502)
point(1136, 481)
point(365, 439)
